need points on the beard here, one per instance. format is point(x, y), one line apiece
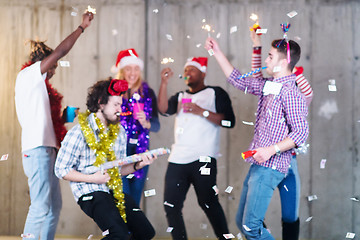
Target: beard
point(110, 118)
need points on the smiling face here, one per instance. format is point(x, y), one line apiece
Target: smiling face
point(110, 110)
point(131, 73)
point(274, 59)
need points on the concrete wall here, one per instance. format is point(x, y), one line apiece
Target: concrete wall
point(329, 33)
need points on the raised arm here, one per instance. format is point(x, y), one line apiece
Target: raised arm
point(162, 100)
point(256, 54)
point(224, 63)
point(65, 46)
point(303, 85)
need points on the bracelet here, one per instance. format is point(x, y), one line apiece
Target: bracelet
point(82, 29)
point(135, 166)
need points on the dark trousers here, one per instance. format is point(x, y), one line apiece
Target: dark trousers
point(101, 208)
point(177, 183)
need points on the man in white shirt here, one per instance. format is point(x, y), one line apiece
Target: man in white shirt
point(40, 136)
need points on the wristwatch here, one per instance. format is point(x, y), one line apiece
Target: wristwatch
point(205, 113)
point(277, 150)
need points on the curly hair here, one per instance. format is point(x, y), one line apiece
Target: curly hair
point(39, 50)
point(295, 50)
point(98, 94)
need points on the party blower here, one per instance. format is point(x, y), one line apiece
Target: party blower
point(248, 154)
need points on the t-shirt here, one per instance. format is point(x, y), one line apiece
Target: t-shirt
point(195, 135)
point(33, 109)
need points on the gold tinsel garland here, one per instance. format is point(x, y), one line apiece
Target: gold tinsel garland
point(104, 151)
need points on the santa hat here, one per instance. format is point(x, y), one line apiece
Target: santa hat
point(127, 57)
point(198, 62)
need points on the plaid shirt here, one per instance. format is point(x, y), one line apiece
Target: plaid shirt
point(75, 154)
point(277, 117)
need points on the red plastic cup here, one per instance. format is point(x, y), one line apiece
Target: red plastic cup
point(185, 100)
point(137, 108)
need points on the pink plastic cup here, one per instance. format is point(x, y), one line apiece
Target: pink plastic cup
point(185, 100)
point(137, 108)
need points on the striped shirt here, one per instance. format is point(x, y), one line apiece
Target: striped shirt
point(75, 154)
point(301, 81)
point(278, 116)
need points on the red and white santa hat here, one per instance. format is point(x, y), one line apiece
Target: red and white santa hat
point(198, 62)
point(127, 57)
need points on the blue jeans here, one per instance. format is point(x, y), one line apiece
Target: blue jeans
point(258, 188)
point(45, 193)
point(290, 195)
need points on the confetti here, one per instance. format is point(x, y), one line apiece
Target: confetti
point(233, 29)
point(4, 157)
point(64, 63)
point(302, 149)
point(27, 235)
point(207, 206)
point(308, 219)
point(218, 35)
point(133, 141)
point(150, 193)
point(169, 37)
point(354, 199)
point(155, 10)
point(229, 189)
point(114, 32)
point(130, 176)
point(254, 17)
point(292, 14)
point(168, 204)
point(228, 236)
point(246, 228)
point(91, 10)
point(350, 235)
point(167, 60)
point(203, 225)
point(297, 38)
point(169, 229)
point(261, 31)
point(225, 123)
point(136, 209)
point(106, 232)
point(90, 237)
point(205, 159)
point(74, 12)
point(205, 171)
point(198, 45)
point(239, 237)
point(322, 163)
point(332, 85)
point(248, 123)
point(286, 188)
point(312, 198)
point(87, 198)
point(188, 37)
point(216, 189)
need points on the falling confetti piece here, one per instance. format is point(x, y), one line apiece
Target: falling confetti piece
point(203, 225)
point(322, 163)
point(64, 63)
point(350, 235)
point(87, 198)
point(229, 189)
point(233, 29)
point(225, 123)
point(106, 232)
point(168, 204)
point(155, 10)
point(150, 193)
point(136, 210)
point(114, 32)
point(228, 236)
point(218, 35)
point(90, 237)
point(216, 189)
point(169, 37)
point(292, 14)
point(354, 199)
point(332, 85)
point(248, 123)
point(246, 228)
point(239, 237)
point(198, 45)
point(130, 176)
point(308, 219)
point(312, 198)
point(205, 171)
point(188, 37)
point(286, 188)
point(169, 229)
point(4, 157)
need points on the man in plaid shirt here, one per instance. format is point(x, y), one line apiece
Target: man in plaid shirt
point(76, 159)
point(280, 126)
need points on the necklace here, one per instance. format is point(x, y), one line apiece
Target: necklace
point(104, 151)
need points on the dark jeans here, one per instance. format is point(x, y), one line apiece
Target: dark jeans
point(101, 208)
point(177, 183)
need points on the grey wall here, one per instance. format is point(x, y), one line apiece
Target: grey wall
point(329, 33)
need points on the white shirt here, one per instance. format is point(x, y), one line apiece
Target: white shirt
point(33, 109)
